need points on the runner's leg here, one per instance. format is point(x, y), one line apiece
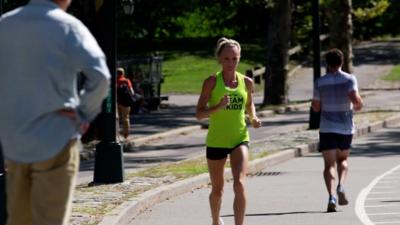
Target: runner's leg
point(216, 170)
point(342, 168)
point(342, 164)
point(329, 169)
point(238, 159)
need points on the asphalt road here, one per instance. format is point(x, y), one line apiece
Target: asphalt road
point(293, 192)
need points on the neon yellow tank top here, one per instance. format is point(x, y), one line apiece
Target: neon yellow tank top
point(227, 127)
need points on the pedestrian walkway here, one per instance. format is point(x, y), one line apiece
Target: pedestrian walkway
point(293, 192)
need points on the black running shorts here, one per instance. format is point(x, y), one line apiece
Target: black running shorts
point(329, 141)
point(221, 153)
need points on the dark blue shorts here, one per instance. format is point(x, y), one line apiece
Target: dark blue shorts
point(221, 153)
point(328, 141)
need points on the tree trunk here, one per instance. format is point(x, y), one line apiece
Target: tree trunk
point(278, 43)
point(341, 30)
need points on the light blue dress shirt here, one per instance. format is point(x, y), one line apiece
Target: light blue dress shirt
point(42, 49)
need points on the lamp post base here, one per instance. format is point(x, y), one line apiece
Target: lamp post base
point(3, 208)
point(314, 120)
point(109, 164)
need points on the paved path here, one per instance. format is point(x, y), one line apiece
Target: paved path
point(293, 192)
point(373, 60)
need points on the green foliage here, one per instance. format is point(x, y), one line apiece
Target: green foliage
point(373, 10)
point(155, 19)
point(301, 24)
point(375, 18)
point(205, 22)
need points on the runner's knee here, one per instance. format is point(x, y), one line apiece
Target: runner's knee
point(238, 186)
point(217, 191)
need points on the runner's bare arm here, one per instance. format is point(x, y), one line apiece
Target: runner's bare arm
point(355, 98)
point(202, 111)
point(250, 108)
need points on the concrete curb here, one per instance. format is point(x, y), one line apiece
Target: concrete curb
point(126, 212)
point(142, 140)
point(265, 113)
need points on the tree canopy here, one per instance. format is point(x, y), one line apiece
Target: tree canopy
point(153, 19)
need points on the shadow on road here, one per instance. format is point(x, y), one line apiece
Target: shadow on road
point(373, 53)
point(133, 163)
point(163, 119)
point(279, 213)
point(377, 53)
point(148, 147)
point(382, 144)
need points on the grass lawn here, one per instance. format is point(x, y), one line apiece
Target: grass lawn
point(185, 71)
point(394, 75)
point(186, 74)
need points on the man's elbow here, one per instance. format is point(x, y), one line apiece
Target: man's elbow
point(200, 116)
point(316, 107)
point(358, 106)
point(357, 102)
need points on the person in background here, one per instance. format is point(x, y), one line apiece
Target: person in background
point(124, 109)
point(225, 98)
point(335, 96)
point(139, 92)
point(42, 51)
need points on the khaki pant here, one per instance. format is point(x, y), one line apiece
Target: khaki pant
point(41, 193)
point(123, 114)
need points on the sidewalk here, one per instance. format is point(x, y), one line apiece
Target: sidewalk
point(177, 136)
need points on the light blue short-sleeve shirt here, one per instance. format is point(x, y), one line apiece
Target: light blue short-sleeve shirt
point(332, 90)
point(42, 50)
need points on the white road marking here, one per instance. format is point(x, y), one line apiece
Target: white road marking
point(388, 222)
point(384, 187)
point(381, 198)
point(360, 202)
point(384, 205)
point(381, 214)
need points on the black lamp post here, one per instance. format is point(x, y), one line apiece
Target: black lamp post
point(109, 166)
point(315, 116)
point(3, 208)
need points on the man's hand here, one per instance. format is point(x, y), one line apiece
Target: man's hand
point(73, 115)
point(68, 112)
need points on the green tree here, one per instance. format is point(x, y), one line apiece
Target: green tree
point(369, 17)
point(207, 21)
point(341, 30)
